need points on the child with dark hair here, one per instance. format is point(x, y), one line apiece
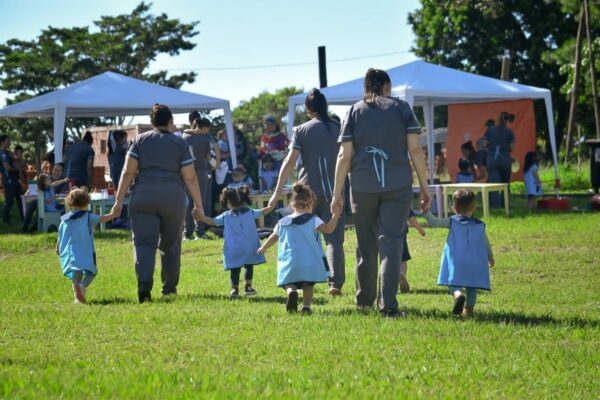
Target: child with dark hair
point(45, 188)
point(240, 178)
point(268, 174)
point(467, 255)
point(301, 261)
point(533, 184)
point(464, 175)
point(75, 244)
point(241, 237)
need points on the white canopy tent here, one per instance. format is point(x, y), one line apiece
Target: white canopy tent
point(111, 94)
point(427, 85)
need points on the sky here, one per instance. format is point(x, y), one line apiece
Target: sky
point(244, 33)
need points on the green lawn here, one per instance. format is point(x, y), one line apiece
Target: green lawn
point(537, 334)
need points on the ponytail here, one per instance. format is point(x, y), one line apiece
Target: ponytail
point(375, 81)
point(317, 103)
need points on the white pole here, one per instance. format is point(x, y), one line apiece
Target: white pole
point(60, 112)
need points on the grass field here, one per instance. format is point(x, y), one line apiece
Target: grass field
point(537, 334)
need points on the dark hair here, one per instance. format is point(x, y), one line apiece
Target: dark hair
point(468, 146)
point(336, 118)
point(268, 158)
point(60, 164)
point(3, 138)
point(88, 138)
point(40, 182)
point(302, 196)
point(200, 123)
point(317, 103)
point(194, 115)
point(463, 165)
point(160, 115)
point(489, 123)
point(530, 159)
point(505, 117)
point(235, 197)
point(18, 148)
point(375, 81)
point(78, 198)
point(463, 200)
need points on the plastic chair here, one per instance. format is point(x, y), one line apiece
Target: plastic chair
point(48, 221)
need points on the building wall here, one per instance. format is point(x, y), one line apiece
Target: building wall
point(100, 145)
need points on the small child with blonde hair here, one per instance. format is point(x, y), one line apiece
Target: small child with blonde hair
point(75, 244)
point(467, 255)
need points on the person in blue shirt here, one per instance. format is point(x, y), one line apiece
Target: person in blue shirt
point(10, 180)
point(301, 261)
point(241, 237)
point(467, 255)
point(465, 175)
point(75, 244)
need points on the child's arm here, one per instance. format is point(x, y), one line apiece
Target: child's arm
point(412, 221)
point(269, 242)
point(207, 220)
point(536, 176)
point(491, 260)
point(109, 217)
point(267, 210)
point(59, 182)
point(437, 222)
point(330, 226)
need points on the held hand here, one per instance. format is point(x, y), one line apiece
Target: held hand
point(337, 204)
point(425, 200)
point(421, 230)
point(198, 214)
point(274, 200)
point(116, 209)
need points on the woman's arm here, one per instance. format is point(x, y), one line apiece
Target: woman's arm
point(284, 173)
point(191, 182)
point(108, 217)
point(418, 159)
point(342, 167)
point(267, 209)
point(437, 222)
point(270, 242)
point(130, 170)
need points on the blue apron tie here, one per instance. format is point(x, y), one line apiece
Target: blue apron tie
point(374, 151)
point(325, 177)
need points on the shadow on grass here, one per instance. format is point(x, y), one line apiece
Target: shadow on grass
point(445, 292)
point(252, 299)
point(108, 301)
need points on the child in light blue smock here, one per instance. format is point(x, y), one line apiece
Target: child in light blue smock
point(46, 189)
point(300, 258)
point(241, 237)
point(533, 184)
point(467, 255)
point(75, 244)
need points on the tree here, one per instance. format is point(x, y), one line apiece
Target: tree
point(471, 35)
point(125, 43)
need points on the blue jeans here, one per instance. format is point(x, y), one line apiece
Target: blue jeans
point(471, 294)
point(235, 274)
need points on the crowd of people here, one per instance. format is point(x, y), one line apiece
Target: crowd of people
point(373, 146)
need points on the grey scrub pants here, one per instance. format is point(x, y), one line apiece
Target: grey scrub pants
point(380, 223)
point(335, 244)
point(499, 171)
point(206, 193)
point(156, 222)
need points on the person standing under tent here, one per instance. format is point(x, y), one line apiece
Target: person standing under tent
point(80, 161)
point(273, 142)
point(117, 150)
point(500, 140)
point(315, 142)
point(376, 138)
point(200, 143)
point(162, 167)
point(10, 180)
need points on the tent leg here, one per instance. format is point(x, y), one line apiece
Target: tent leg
point(549, 114)
point(230, 134)
point(428, 113)
point(60, 113)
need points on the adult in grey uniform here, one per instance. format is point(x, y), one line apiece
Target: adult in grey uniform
point(316, 142)
point(117, 149)
point(200, 142)
point(161, 165)
point(80, 160)
point(376, 138)
point(500, 141)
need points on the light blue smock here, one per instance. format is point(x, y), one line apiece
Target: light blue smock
point(241, 237)
point(465, 257)
point(76, 242)
point(300, 256)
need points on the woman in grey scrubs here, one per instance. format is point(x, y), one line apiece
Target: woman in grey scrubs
point(376, 138)
point(316, 142)
point(500, 140)
point(80, 160)
point(161, 165)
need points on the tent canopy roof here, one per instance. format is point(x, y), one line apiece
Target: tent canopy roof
point(111, 94)
point(423, 81)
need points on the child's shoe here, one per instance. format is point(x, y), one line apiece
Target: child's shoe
point(234, 293)
point(249, 290)
point(333, 291)
point(292, 302)
point(459, 303)
point(305, 310)
point(469, 312)
point(79, 292)
point(144, 296)
point(404, 287)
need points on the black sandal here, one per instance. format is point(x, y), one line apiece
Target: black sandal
point(459, 304)
point(292, 302)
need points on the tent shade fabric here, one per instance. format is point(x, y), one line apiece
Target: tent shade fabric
point(111, 94)
point(427, 85)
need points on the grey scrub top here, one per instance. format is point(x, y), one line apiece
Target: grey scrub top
point(379, 135)
point(319, 149)
point(78, 155)
point(199, 145)
point(161, 155)
point(499, 140)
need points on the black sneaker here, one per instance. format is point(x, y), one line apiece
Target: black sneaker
point(292, 302)
point(249, 290)
point(234, 293)
point(144, 295)
point(391, 314)
point(305, 310)
point(459, 304)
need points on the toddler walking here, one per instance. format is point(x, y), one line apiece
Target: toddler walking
point(467, 254)
point(241, 237)
point(533, 184)
point(301, 261)
point(75, 244)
